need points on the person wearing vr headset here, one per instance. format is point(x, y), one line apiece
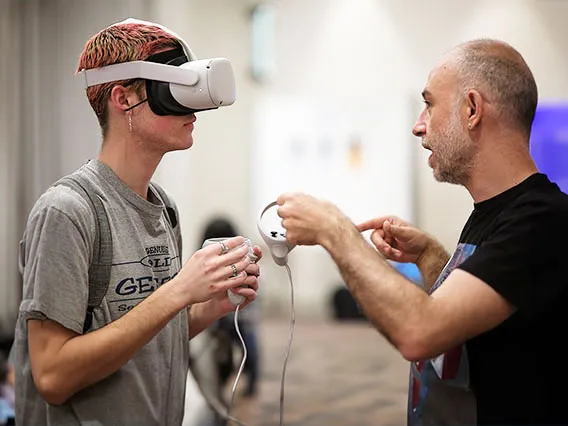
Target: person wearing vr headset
point(484, 333)
point(125, 361)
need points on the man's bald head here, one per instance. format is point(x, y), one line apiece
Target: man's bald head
point(500, 74)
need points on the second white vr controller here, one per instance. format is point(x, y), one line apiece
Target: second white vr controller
point(275, 238)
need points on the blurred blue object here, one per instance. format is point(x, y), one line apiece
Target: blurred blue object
point(549, 142)
point(409, 270)
point(6, 412)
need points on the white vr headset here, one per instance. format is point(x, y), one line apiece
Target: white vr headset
point(176, 82)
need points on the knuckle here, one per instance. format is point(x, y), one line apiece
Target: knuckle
point(209, 267)
point(199, 255)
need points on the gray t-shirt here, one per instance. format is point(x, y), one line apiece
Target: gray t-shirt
point(55, 256)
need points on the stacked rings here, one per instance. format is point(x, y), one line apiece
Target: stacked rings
point(224, 248)
point(235, 271)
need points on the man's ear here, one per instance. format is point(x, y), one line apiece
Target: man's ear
point(475, 109)
point(121, 98)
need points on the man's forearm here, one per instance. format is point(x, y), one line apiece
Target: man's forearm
point(87, 359)
point(431, 263)
point(395, 305)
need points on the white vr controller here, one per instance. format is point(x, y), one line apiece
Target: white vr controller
point(275, 239)
point(236, 299)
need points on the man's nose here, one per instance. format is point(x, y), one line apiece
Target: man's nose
point(419, 128)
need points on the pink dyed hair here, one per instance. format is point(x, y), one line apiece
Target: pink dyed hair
point(117, 44)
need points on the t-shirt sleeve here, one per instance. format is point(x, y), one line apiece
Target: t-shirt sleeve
point(524, 258)
point(56, 257)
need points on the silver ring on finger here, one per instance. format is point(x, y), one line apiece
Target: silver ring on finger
point(224, 248)
point(235, 271)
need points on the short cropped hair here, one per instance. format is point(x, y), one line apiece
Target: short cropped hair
point(501, 70)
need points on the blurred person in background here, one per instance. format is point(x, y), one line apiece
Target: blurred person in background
point(485, 332)
point(128, 366)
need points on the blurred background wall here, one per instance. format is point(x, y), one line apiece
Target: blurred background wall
point(355, 54)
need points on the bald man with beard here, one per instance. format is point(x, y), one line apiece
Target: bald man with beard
point(484, 334)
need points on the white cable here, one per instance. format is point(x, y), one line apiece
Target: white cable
point(242, 366)
point(217, 406)
point(292, 322)
point(226, 414)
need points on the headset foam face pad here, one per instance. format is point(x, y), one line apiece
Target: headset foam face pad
point(160, 98)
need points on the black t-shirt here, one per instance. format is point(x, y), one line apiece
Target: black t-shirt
point(513, 374)
point(516, 369)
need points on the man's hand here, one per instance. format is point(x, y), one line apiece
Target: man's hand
point(202, 315)
point(221, 305)
point(210, 272)
point(396, 239)
point(309, 221)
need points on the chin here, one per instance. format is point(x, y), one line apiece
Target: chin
point(440, 175)
point(178, 146)
point(451, 178)
point(187, 143)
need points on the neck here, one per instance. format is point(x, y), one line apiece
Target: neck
point(500, 165)
point(131, 162)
